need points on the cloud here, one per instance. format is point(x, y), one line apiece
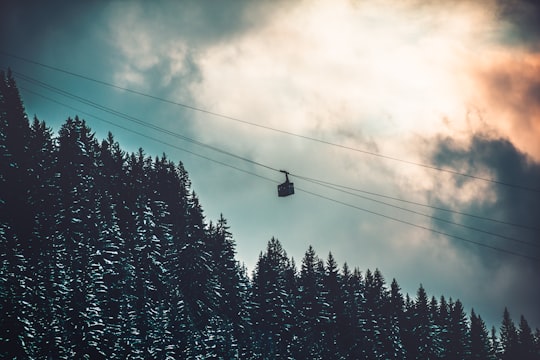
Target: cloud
point(509, 93)
point(524, 17)
point(495, 158)
point(33, 21)
point(500, 160)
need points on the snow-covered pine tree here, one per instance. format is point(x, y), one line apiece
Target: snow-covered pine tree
point(110, 255)
point(422, 328)
point(385, 331)
point(347, 317)
point(231, 303)
point(43, 195)
point(358, 351)
point(17, 323)
point(170, 187)
point(537, 343)
point(495, 351)
point(273, 302)
point(333, 305)
point(442, 322)
point(198, 282)
point(310, 306)
point(77, 227)
point(151, 333)
point(397, 320)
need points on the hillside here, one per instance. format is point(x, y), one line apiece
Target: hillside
point(106, 254)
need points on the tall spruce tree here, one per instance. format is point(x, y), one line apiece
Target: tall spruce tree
point(537, 343)
point(459, 340)
point(494, 345)
point(509, 337)
point(333, 309)
point(380, 333)
point(480, 346)
point(273, 303)
point(17, 326)
point(43, 195)
point(358, 315)
point(397, 319)
point(310, 306)
point(442, 321)
point(422, 328)
point(77, 161)
point(348, 316)
point(526, 341)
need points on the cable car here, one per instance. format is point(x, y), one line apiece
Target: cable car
point(287, 188)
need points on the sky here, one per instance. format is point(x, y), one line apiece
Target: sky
point(385, 86)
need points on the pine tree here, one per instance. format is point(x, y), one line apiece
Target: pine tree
point(494, 345)
point(77, 221)
point(273, 303)
point(509, 338)
point(440, 333)
point(480, 345)
point(381, 333)
point(408, 337)
point(537, 343)
point(16, 324)
point(422, 328)
point(14, 154)
point(172, 187)
point(358, 315)
point(110, 257)
point(332, 310)
point(310, 306)
point(526, 341)
point(347, 315)
point(246, 326)
point(442, 321)
point(230, 303)
point(397, 316)
point(459, 344)
point(43, 194)
point(198, 284)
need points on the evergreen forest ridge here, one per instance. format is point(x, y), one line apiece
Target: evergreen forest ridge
point(108, 255)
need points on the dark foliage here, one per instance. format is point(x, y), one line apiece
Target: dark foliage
point(108, 255)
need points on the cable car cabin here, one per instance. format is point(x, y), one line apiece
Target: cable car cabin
point(287, 188)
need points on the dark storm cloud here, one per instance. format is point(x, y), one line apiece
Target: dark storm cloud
point(104, 40)
point(524, 15)
point(508, 164)
point(501, 161)
point(82, 32)
point(24, 25)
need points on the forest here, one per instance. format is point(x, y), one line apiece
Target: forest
point(108, 255)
